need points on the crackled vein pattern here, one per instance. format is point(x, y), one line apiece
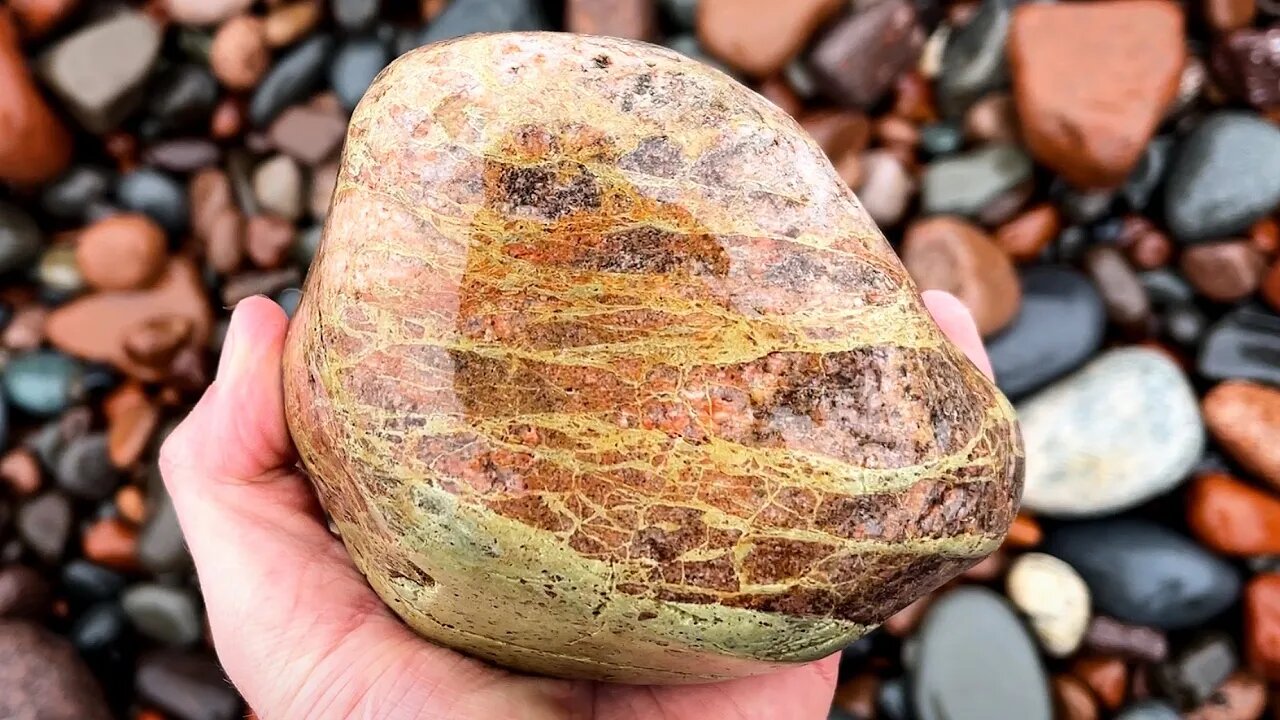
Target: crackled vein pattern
point(601, 371)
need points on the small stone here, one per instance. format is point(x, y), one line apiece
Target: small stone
point(1003, 207)
point(100, 70)
point(43, 382)
point(973, 60)
point(239, 56)
point(357, 63)
point(41, 678)
point(72, 195)
point(1262, 624)
point(286, 23)
point(1082, 207)
point(1025, 237)
point(323, 181)
point(941, 139)
point(35, 146)
point(1264, 235)
point(86, 584)
point(1233, 518)
point(1248, 63)
point(59, 273)
point(1112, 637)
point(268, 240)
point(1121, 431)
point(757, 36)
point(1106, 676)
point(355, 15)
point(99, 629)
point(23, 593)
point(1198, 670)
point(1227, 15)
point(20, 238)
point(1244, 419)
point(164, 614)
point(886, 187)
point(896, 132)
point(96, 327)
point(1122, 292)
point(634, 19)
point(111, 543)
point(187, 685)
point(292, 78)
point(1072, 699)
point(1225, 177)
point(913, 98)
point(893, 702)
point(1243, 696)
point(683, 13)
point(161, 548)
point(1149, 172)
point(20, 472)
point(224, 247)
point(1024, 533)
point(463, 17)
point(308, 135)
point(1053, 597)
point(131, 504)
point(209, 194)
point(181, 100)
point(182, 155)
point(1241, 345)
point(288, 300)
point(122, 252)
point(157, 195)
point(1145, 246)
point(1270, 288)
point(1149, 710)
point(277, 183)
point(84, 470)
point(965, 183)
point(838, 132)
point(948, 684)
point(1059, 325)
point(1092, 81)
point(44, 524)
point(777, 91)
point(948, 253)
point(1144, 573)
point(993, 118)
point(1224, 271)
point(204, 12)
point(856, 60)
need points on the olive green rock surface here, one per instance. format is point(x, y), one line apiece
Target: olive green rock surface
point(602, 372)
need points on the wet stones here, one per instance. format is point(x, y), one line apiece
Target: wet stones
point(1226, 175)
point(948, 253)
point(1244, 419)
point(35, 146)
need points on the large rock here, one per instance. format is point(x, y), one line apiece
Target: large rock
point(608, 387)
point(34, 146)
point(42, 678)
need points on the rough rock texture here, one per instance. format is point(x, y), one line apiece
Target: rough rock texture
point(601, 371)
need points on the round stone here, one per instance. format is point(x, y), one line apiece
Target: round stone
point(43, 382)
point(122, 252)
point(164, 614)
point(1226, 175)
point(1054, 598)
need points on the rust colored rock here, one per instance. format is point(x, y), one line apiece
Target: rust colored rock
point(1264, 235)
point(287, 23)
point(634, 19)
point(131, 504)
point(20, 472)
point(1270, 288)
point(1262, 624)
point(129, 432)
point(857, 696)
point(228, 119)
point(1224, 271)
point(1145, 246)
point(1108, 677)
point(614, 316)
point(1233, 517)
point(268, 239)
point(34, 144)
point(1024, 533)
point(209, 193)
point(225, 245)
point(952, 254)
point(760, 36)
point(1025, 237)
point(38, 17)
point(239, 55)
point(112, 543)
point(155, 341)
point(1242, 697)
point(1227, 15)
point(96, 327)
point(893, 131)
point(1092, 81)
point(856, 60)
point(43, 678)
point(777, 91)
point(913, 98)
point(838, 132)
point(121, 252)
point(1244, 418)
point(1072, 699)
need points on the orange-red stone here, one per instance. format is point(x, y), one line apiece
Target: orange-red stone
point(1244, 418)
point(1108, 677)
point(1262, 624)
point(760, 36)
point(1233, 517)
point(34, 144)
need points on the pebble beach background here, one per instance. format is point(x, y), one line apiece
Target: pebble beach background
point(1097, 180)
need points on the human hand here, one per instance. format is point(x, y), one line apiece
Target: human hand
point(303, 636)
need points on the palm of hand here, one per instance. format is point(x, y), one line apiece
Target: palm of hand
point(302, 635)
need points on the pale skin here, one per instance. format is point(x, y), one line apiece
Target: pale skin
point(303, 636)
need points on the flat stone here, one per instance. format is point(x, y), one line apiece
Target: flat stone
point(1122, 430)
point(1226, 176)
point(949, 253)
point(41, 678)
point(161, 548)
point(44, 524)
point(99, 629)
point(277, 183)
point(887, 187)
point(288, 22)
point(355, 15)
point(856, 60)
point(357, 63)
point(1244, 419)
point(759, 37)
point(1112, 637)
point(1224, 271)
point(1092, 81)
point(1053, 597)
point(1119, 286)
point(948, 685)
point(634, 19)
point(1143, 573)
point(204, 12)
point(100, 70)
point(183, 155)
point(20, 238)
point(973, 61)
point(180, 100)
point(121, 252)
point(43, 382)
point(35, 146)
point(268, 240)
point(292, 78)
point(167, 615)
point(965, 184)
point(84, 469)
point(1199, 669)
point(187, 685)
point(1242, 345)
point(1059, 325)
point(86, 583)
point(464, 17)
point(1232, 517)
point(308, 135)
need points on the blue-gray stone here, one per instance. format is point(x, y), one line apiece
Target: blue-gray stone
point(99, 628)
point(1166, 287)
point(164, 614)
point(463, 17)
point(358, 62)
point(1144, 573)
point(682, 13)
point(941, 139)
point(973, 60)
point(1226, 176)
point(44, 524)
point(85, 583)
point(306, 245)
point(70, 196)
point(1199, 669)
point(1149, 172)
point(965, 184)
point(161, 547)
point(20, 238)
point(1060, 323)
point(1149, 710)
point(288, 300)
point(157, 195)
point(181, 99)
point(84, 468)
point(1113, 435)
point(291, 79)
point(892, 700)
point(355, 15)
point(43, 382)
point(1243, 345)
point(947, 684)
